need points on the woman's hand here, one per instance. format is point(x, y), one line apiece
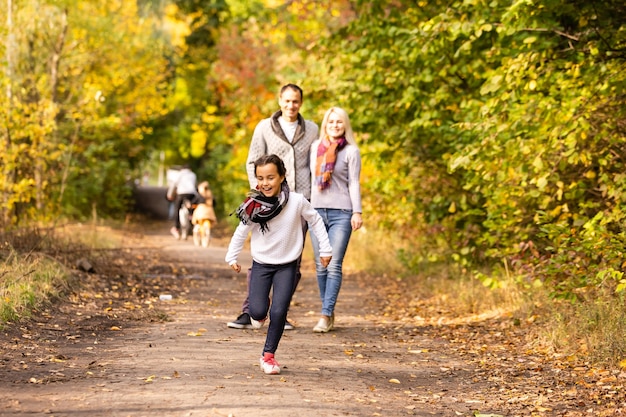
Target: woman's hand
point(236, 267)
point(356, 221)
point(325, 260)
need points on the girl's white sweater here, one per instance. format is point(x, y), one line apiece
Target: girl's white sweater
point(284, 241)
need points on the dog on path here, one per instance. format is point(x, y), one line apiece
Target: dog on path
point(203, 217)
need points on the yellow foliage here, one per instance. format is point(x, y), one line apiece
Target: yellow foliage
point(176, 29)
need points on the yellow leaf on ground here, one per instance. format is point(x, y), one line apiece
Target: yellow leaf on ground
point(542, 409)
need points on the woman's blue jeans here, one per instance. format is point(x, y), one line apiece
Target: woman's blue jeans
point(329, 279)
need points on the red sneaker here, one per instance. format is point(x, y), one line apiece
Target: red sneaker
point(269, 364)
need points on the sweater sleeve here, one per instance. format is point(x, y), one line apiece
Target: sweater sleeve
point(354, 179)
point(236, 243)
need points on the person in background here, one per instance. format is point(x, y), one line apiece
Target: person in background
point(288, 135)
point(336, 195)
point(184, 187)
point(273, 216)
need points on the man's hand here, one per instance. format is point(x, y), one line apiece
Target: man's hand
point(325, 260)
point(236, 267)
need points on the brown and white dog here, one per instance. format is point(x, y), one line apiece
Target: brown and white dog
point(203, 217)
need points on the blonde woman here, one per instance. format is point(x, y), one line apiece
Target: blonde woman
point(336, 195)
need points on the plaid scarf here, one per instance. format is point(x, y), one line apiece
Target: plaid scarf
point(260, 209)
point(326, 158)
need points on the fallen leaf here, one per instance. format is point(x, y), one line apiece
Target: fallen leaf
point(394, 381)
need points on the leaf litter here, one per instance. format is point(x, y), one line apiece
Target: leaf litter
point(488, 365)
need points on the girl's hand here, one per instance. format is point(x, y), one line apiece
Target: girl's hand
point(325, 260)
point(236, 267)
point(356, 221)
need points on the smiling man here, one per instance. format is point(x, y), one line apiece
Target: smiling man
point(286, 134)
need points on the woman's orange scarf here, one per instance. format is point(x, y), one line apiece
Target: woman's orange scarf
point(325, 162)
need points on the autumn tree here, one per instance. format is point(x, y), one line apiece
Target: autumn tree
point(87, 79)
point(100, 88)
point(263, 47)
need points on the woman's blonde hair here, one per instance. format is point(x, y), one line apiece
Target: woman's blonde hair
point(343, 115)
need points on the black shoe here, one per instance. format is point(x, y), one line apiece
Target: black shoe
point(289, 326)
point(242, 322)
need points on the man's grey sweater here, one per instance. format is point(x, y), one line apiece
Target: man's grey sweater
point(269, 138)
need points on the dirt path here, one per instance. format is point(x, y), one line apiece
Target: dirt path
point(87, 359)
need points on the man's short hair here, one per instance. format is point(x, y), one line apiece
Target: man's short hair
point(292, 87)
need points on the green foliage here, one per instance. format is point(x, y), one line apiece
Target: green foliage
point(505, 122)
